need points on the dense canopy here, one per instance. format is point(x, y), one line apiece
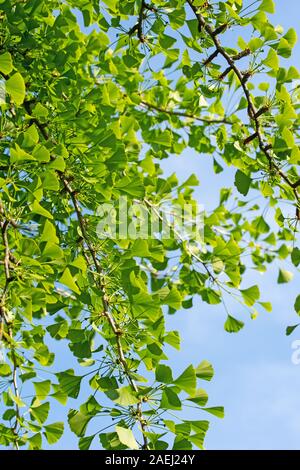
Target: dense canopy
point(94, 96)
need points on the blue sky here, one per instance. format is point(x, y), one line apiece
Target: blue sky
point(255, 379)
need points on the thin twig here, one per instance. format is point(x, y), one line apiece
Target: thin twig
point(184, 114)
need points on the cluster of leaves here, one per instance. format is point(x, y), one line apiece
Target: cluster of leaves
point(88, 115)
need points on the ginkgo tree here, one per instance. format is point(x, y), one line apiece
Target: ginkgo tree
point(94, 95)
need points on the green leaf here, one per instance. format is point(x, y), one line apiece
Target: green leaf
point(6, 64)
point(15, 87)
point(173, 338)
point(200, 397)
point(41, 412)
point(35, 442)
point(30, 137)
point(78, 422)
point(69, 383)
point(131, 187)
point(197, 440)
point(49, 233)
point(268, 6)
point(284, 49)
point(242, 182)
point(295, 256)
point(216, 411)
point(41, 153)
point(163, 374)
point(290, 329)
point(126, 437)
point(250, 295)
point(16, 399)
point(187, 380)
point(39, 111)
point(297, 305)
point(85, 442)
point(284, 276)
point(68, 280)
point(161, 138)
point(59, 395)
point(5, 370)
point(36, 208)
point(232, 325)
point(17, 154)
point(42, 389)
point(272, 60)
point(267, 306)
point(53, 432)
point(173, 299)
point(170, 400)
point(182, 443)
point(124, 396)
point(58, 164)
point(291, 37)
point(205, 371)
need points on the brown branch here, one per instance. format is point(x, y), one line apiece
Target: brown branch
point(138, 27)
point(250, 138)
point(211, 58)
point(296, 184)
point(220, 29)
point(150, 7)
point(42, 127)
point(262, 111)
point(252, 112)
point(140, 23)
point(8, 279)
point(105, 302)
point(241, 54)
point(225, 73)
point(187, 115)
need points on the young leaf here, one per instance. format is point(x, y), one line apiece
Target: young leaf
point(290, 329)
point(68, 280)
point(41, 412)
point(295, 256)
point(126, 437)
point(78, 422)
point(15, 87)
point(69, 383)
point(284, 276)
point(170, 400)
point(6, 64)
point(205, 371)
point(242, 182)
point(53, 432)
point(232, 325)
point(297, 305)
point(163, 374)
point(216, 411)
point(250, 295)
point(187, 380)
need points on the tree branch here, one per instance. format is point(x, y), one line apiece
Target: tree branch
point(251, 107)
point(138, 27)
point(106, 307)
point(8, 279)
point(187, 115)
